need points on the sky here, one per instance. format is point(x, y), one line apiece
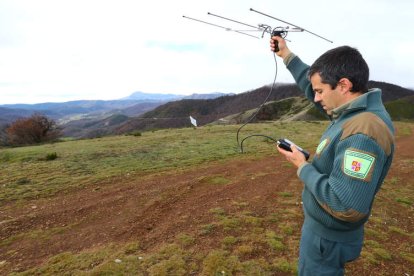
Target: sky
point(62, 50)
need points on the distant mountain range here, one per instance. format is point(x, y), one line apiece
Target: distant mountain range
point(133, 105)
point(285, 103)
point(142, 111)
point(141, 96)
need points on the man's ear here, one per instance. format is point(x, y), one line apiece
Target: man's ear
point(345, 85)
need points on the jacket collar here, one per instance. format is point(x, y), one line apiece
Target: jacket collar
point(373, 96)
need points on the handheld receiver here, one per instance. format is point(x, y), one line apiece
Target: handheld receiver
point(285, 144)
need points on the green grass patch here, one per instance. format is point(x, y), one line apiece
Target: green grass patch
point(220, 262)
point(398, 230)
point(229, 241)
point(369, 258)
point(214, 180)
point(404, 201)
point(175, 265)
point(230, 223)
point(252, 220)
point(287, 229)
point(132, 248)
point(371, 244)
point(374, 234)
point(254, 267)
point(186, 240)
point(274, 241)
point(240, 204)
point(273, 218)
point(244, 250)
point(218, 211)
point(79, 163)
point(283, 265)
point(375, 253)
point(286, 194)
point(382, 253)
point(66, 262)
point(208, 229)
point(408, 257)
point(41, 235)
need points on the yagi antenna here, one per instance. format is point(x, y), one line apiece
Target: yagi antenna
point(278, 31)
point(303, 29)
point(261, 27)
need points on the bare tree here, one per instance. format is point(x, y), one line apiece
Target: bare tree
point(33, 130)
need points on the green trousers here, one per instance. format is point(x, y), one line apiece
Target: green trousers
point(319, 256)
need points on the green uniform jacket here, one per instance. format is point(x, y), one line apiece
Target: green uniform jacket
point(349, 166)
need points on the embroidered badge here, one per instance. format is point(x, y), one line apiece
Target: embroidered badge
point(358, 164)
point(321, 146)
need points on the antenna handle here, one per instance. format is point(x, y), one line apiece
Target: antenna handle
point(277, 33)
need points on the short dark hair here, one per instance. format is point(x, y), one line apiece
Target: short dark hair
point(342, 62)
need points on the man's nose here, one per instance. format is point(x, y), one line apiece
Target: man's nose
point(317, 98)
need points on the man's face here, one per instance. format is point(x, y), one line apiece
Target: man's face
point(329, 98)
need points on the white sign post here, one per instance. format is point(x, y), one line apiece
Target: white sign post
point(193, 121)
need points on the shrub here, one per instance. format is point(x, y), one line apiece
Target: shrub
point(51, 156)
point(33, 130)
point(135, 133)
point(23, 181)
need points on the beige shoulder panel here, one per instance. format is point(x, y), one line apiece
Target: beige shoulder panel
point(371, 125)
point(349, 215)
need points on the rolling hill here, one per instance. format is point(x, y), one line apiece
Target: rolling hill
point(401, 109)
point(237, 108)
point(88, 119)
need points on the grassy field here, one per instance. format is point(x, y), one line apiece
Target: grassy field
point(28, 172)
point(234, 239)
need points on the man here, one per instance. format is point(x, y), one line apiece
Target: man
point(351, 160)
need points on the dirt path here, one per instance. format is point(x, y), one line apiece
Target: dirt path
point(152, 209)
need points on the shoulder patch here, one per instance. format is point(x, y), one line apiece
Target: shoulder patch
point(358, 164)
point(321, 146)
point(371, 125)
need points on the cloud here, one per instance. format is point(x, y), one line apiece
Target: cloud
point(108, 49)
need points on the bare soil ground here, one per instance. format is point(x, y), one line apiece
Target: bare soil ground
point(155, 208)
